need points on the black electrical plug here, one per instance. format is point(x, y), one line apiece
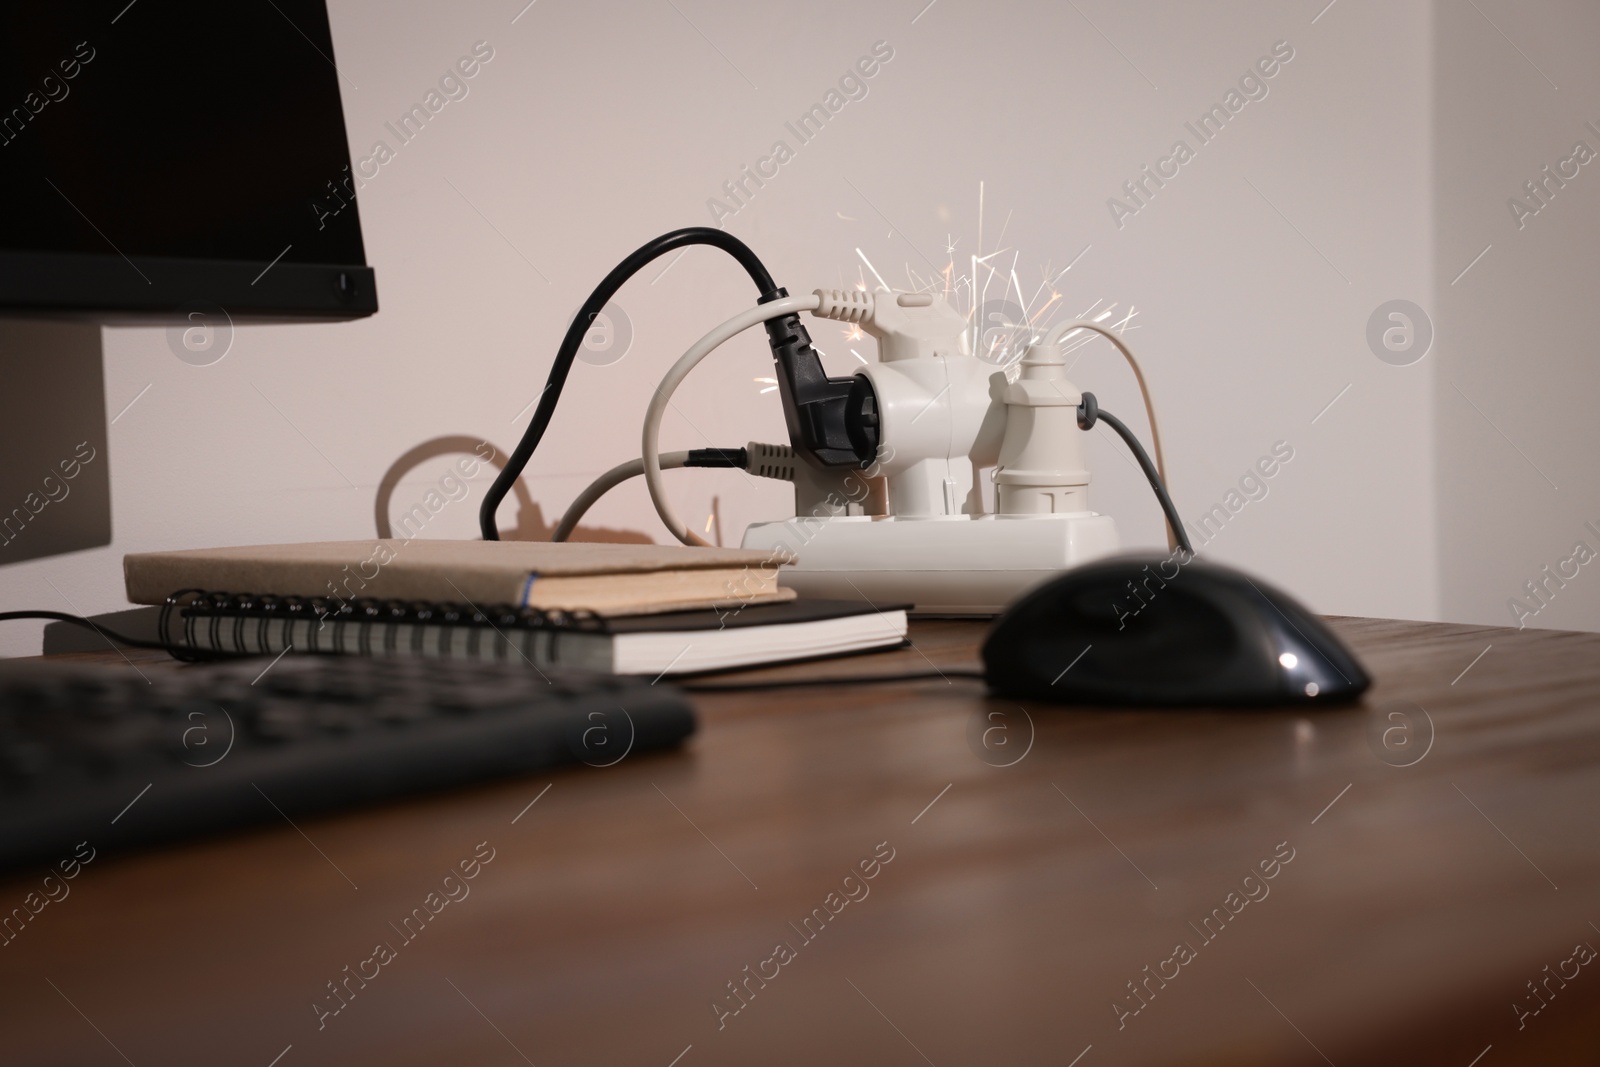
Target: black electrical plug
point(833, 422)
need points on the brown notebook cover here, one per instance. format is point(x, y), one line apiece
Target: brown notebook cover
point(607, 579)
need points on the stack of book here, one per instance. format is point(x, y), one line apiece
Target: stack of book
point(624, 609)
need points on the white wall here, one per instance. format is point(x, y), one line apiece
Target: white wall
point(1253, 272)
point(1517, 480)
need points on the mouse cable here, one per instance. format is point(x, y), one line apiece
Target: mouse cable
point(641, 257)
point(112, 637)
point(1089, 412)
point(806, 683)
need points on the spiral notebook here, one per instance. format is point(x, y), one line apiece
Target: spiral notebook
point(662, 643)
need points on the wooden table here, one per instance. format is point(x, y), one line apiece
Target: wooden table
point(1020, 907)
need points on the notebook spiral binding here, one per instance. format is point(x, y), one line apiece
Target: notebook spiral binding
point(241, 624)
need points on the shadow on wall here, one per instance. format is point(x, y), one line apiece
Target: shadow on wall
point(530, 525)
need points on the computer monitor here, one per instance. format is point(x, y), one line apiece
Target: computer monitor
point(162, 156)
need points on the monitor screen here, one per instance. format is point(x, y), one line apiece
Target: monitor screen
point(165, 153)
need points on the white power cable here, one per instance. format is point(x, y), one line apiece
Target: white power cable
point(650, 444)
point(1061, 330)
point(604, 484)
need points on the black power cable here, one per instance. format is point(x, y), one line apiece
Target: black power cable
point(111, 636)
point(1088, 412)
point(641, 257)
point(809, 683)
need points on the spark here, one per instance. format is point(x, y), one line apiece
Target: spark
point(1043, 285)
point(980, 226)
point(1003, 227)
point(1054, 296)
point(873, 269)
point(966, 288)
point(975, 262)
point(1083, 337)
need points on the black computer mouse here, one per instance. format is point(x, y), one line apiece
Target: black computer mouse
point(1149, 629)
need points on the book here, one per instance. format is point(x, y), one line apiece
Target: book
point(601, 579)
point(662, 643)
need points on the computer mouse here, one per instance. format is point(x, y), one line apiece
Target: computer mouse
point(1151, 630)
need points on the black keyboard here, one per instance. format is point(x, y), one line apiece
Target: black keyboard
point(104, 756)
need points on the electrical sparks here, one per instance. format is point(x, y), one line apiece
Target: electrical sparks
point(873, 269)
point(1005, 319)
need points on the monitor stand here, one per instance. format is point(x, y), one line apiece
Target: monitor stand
point(55, 481)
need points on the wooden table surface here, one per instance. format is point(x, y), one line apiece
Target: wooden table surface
point(1434, 851)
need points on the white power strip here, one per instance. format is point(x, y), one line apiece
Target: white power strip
point(923, 422)
point(959, 565)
